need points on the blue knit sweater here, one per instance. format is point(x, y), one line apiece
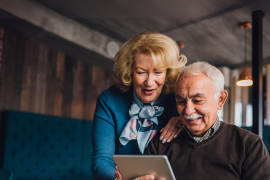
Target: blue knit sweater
point(110, 118)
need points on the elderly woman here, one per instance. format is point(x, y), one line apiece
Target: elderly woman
point(129, 114)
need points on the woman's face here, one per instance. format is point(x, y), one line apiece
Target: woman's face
point(147, 80)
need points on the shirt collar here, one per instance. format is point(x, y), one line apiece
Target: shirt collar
point(209, 133)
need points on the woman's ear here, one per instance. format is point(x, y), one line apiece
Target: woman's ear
point(222, 99)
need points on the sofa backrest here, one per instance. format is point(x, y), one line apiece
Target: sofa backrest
point(47, 147)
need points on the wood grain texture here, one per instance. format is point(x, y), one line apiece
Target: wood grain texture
point(20, 51)
point(51, 82)
point(29, 83)
point(33, 70)
point(77, 97)
point(94, 91)
point(70, 66)
point(9, 85)
point(4, 70)
point(60, 72)
point(25, 92)
point(38, 79)
point(40, 96)
point(88, 92)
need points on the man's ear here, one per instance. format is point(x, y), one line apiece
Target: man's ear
point(222, 99)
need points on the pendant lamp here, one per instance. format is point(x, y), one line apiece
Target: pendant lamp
point(245, 78)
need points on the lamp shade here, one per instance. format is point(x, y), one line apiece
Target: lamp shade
point(245, 78)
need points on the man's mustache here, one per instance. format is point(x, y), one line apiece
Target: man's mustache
point(193, 116)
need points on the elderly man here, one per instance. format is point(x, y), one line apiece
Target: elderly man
point(208, 148)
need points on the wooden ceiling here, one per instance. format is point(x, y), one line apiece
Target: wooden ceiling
point(209, 28)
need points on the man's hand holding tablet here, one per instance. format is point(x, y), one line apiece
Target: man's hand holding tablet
point(118, 176)
point(143, 167)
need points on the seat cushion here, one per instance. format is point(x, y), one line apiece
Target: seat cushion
point(5, 174)
point(43, 147)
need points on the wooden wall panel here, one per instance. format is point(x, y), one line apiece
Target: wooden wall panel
point(41, 80)
point(10, 66)
point(3, 70)
point(13, 57)
point(78, 103)
point(40, 96)
point(29, 82)
point(51, 82)
point(2, 31)
point(70, 66)
point(94, 91)
point(108, 80)
point(20, 51)
point(60, 72)
point(9, 62)
point(25, 91)
point(87, 91)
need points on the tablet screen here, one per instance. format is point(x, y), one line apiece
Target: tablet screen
point(133, 166)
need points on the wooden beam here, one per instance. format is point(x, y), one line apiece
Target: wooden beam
point(57, 30)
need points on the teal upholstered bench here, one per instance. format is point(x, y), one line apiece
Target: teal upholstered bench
point(6, 174)
point(266, 135)
point(41, 147)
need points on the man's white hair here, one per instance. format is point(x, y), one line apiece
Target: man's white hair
point(210, 71)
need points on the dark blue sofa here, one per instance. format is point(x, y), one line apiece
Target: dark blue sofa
point(41, 147)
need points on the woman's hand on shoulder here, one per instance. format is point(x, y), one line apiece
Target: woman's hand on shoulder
point(171, 130)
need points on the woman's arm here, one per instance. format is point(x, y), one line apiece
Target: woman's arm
point(103, 166)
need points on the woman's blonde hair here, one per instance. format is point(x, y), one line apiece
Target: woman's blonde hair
point(160, 47)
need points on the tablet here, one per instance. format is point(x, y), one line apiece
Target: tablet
point(133, 166)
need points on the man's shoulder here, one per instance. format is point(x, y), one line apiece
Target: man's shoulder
point(255, 156)
point(156, 146)
point(237, 132)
